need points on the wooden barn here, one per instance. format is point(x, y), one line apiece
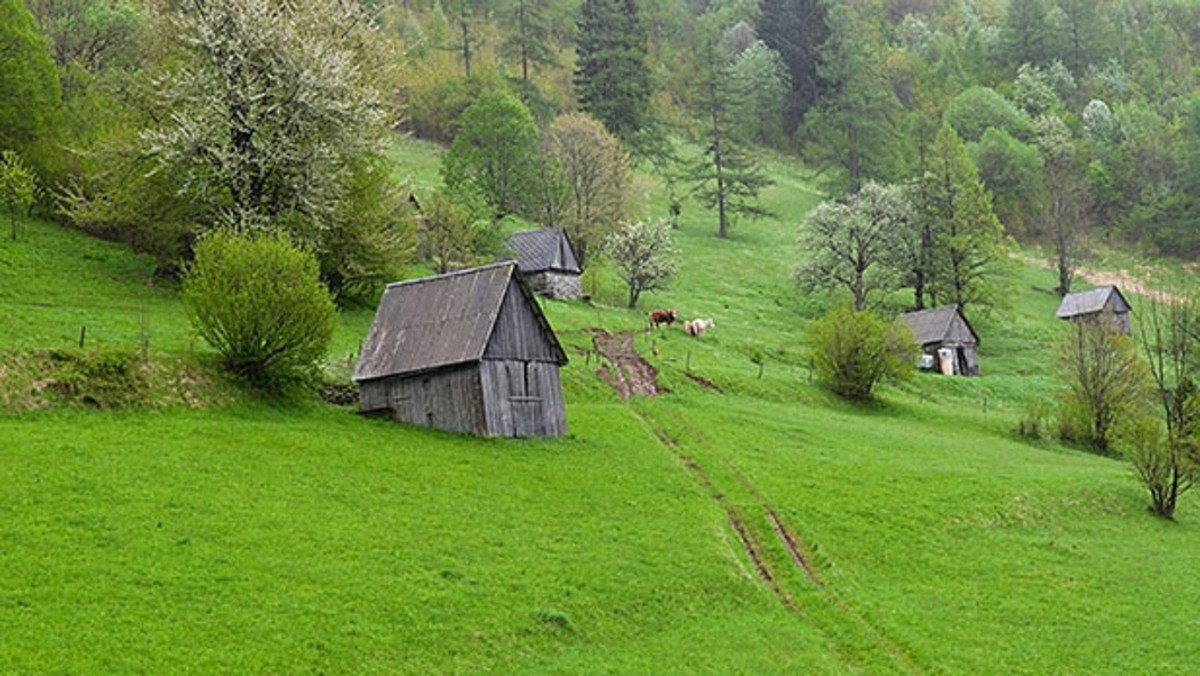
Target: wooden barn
point(468, 352)
point(948, 343)
point(547, 262)
point(1090, 305)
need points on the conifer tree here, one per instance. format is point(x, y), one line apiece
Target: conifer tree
point(967, 240)
point(797, 29)
point(529, 38)
point(853, 127)
point(611, 76)
point(726, 178)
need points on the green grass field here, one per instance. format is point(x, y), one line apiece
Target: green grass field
point(915, 534)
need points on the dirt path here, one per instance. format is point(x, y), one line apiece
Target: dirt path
point(626, 371)
point(1122, 278)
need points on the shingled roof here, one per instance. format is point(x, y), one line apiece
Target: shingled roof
point(1091, 301)
point(433, 322)
point(545, 249)
point(936, 325)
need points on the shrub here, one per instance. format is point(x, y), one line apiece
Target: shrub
point(1165, 469)
point(258, 301)
point(852, 351)
point(1103, 382)
point(1035, 420)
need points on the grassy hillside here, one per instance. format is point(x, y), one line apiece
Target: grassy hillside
point(745, 523)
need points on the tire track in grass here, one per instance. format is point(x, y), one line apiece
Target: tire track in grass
point(799, 553)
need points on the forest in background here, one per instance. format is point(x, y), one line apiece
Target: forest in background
point(1080, 116)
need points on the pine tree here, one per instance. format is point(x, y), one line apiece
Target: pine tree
point(1026, 34)
point(967, 240)
point(726, 178)
point(797, 29)
point(529, 38)
point(611, 75)
point(854, 126)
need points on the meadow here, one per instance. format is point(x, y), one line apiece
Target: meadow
point(745, 521)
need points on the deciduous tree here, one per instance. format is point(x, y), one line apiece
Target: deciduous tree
point(590, 164)
point(1104, 382)
point(495, 156)
point(644, 253)
point(18, 187)
point(266, 121)
point(854, 243)
point(30, 96)
point(1168, 464)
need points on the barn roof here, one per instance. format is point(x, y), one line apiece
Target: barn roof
point(545, 249)
point(444, 320)
point(933, 325)
point(1091, 301)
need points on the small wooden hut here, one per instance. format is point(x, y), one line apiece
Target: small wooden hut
point(948, 343)
point(469, 352)
point(547, 262)
point(1092, 304)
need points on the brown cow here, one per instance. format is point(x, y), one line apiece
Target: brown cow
point(667, 317)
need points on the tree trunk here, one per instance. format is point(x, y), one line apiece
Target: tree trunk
point(466, 37)
point(723, 217)
point(633, 296)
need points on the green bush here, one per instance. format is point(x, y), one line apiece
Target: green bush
point(259, 301)
point(853, 351)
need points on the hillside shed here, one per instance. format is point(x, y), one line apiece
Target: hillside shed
point(469, 352)
point(1091, 304)
point(547, 262)
point(948, 343)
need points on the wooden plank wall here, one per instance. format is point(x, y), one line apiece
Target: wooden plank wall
point(517, 334)
point(524, 398)
point(449, 399)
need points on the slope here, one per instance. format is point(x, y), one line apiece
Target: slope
point(745, 521)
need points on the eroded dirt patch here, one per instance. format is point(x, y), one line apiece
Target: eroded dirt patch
point(625, 370)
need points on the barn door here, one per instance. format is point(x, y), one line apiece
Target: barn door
point(525, 400)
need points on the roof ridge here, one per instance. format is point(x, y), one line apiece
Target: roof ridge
point(456, 273)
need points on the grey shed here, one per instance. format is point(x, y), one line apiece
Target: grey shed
point(468, 352)
point(945, 335)
point(1091, 304)
point(547, 262)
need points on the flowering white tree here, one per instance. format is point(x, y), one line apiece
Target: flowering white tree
point(267, 111)
point(643, 251)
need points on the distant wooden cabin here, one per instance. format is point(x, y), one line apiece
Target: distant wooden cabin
point(1090, 305)
point(547, 262)
point(948, 343)
point(468, 352)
